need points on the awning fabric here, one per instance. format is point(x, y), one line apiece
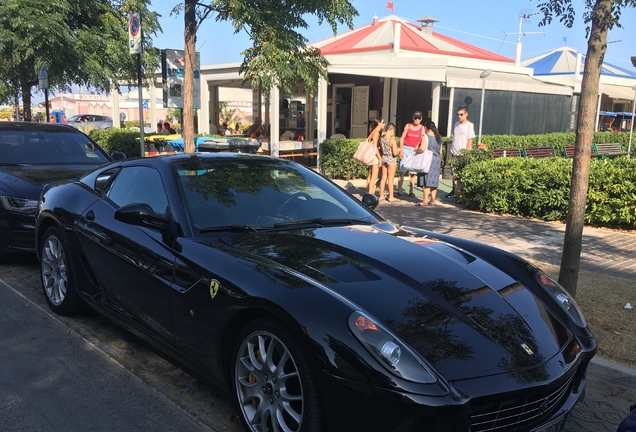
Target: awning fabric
point(618, 92)
point(469, 78)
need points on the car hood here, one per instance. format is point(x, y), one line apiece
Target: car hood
point(27, 181)
point(465, 316)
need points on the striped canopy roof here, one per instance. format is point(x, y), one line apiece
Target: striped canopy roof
point(380, 35)
point(562, 61)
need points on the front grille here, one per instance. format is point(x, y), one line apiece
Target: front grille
point(519, 411)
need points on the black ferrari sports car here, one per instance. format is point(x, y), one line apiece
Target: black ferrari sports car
point(32, 155)
point(310, 309)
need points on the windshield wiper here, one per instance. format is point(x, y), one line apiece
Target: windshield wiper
point(322, 222)
point(236, 228)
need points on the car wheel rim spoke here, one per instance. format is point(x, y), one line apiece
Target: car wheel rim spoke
point(268, 383)
point(53, 268)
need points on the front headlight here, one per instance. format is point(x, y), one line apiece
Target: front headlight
point(19, 205)
point(562, 297)
point(389, 350)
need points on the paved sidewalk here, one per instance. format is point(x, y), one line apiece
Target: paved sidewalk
point(604, 251)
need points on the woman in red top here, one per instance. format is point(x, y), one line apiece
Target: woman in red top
point(412, 137)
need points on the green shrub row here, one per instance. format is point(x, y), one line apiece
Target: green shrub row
point(113, 139)
point(540, 188)
point(558, 140)
point(337, 155)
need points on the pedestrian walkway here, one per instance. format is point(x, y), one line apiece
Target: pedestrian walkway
point(604, 251)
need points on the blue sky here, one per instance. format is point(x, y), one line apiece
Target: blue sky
point(489, 24)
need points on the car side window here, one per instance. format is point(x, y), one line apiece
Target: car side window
point(138, 184)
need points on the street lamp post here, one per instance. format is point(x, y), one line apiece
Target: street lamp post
point(483, 77)
point(631, 127)
point(43, 84)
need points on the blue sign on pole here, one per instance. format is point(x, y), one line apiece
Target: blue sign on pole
point(145, 105)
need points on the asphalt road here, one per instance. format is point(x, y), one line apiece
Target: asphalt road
point(87, 374)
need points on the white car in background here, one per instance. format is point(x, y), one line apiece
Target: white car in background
point(83, 120)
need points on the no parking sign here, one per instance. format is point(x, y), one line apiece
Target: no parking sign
point(134, 33)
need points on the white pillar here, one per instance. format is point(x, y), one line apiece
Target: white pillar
point(152, 104)
point(274, 131)
point(114, 99)
point(203, 114)
point(322, 110)
point(451, 111)
point(322, 117)
point(598, 110)
point(436, 94)
point(386, 101)
point(394, 102)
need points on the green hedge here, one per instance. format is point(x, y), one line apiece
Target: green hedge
point(540, 188)
point(123, 140)
point(337, 155)
point(337, 160)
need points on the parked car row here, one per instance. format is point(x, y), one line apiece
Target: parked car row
point(32, 155)
point(275, 284)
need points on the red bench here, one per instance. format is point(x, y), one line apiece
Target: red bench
point(506, 152)
point(568, 151)
point(539, 152)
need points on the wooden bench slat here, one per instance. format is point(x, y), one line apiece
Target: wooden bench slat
point(609, 149)
point(506, 152)
point(539, 152)
point(568, 151)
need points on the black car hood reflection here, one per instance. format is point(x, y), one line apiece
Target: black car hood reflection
point(30, 179)
point(457, 310)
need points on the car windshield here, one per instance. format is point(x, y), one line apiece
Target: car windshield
point(45, 147)
point(256, 193)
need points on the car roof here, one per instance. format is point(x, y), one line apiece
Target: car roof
point(177, 158)
point(32, 126)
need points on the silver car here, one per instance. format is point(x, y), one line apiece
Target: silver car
point(82, 120)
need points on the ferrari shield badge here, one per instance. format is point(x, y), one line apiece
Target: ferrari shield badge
point(524, 346)
point(214, 287)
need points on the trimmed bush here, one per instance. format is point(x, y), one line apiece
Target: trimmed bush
point(540, 188)
point(337, 160)
point(122, 140)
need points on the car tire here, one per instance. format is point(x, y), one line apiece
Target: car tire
point(56, 275)
point(279, 388)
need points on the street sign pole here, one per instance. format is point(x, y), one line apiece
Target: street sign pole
point(134, 43)
point(43, 83)
point(141, 106)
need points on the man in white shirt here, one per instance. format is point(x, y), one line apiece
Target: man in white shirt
point(463, 134)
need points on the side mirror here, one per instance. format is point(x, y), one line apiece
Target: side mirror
point(117, 155)
point(370, 200)
point(140, 214)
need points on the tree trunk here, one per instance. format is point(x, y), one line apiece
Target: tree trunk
point(25, 88)
point(596, 47)
point(190, 37)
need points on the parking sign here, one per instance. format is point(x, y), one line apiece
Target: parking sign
point(134, 33)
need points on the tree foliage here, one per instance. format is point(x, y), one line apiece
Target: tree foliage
point(600, 16)
point(279, 56)
point(81, 43)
